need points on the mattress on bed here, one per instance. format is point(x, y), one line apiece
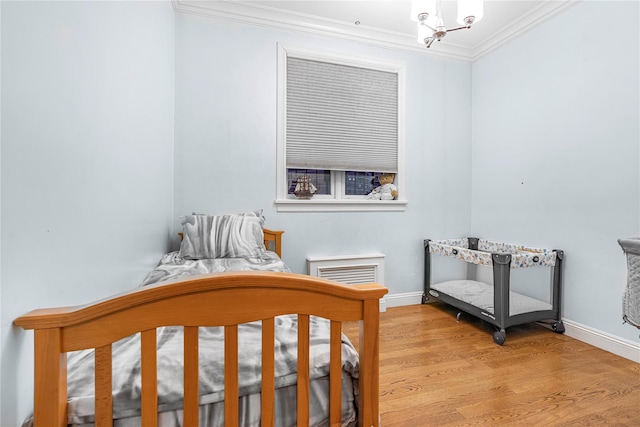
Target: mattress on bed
point(170, 368)
point(480, 294)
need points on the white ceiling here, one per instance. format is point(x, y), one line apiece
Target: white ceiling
point(385, 22)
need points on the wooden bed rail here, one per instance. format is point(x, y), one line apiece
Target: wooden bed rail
point(221, 299)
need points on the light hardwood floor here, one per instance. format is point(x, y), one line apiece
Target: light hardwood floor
point(435, 371)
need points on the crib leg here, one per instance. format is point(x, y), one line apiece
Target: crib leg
point(499, 336)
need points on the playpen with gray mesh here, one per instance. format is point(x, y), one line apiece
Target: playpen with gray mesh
point(494, 300)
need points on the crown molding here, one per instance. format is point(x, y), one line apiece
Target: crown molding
point(543, 12)
point(269, 17)
point(263, 16)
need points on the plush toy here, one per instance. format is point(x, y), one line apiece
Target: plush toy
point(386, 191)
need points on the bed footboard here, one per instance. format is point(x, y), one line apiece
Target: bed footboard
point(223, 299)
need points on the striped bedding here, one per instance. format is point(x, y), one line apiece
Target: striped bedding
point(126, 374)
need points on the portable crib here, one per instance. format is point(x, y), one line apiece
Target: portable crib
point(495, 303)
point(631, 298)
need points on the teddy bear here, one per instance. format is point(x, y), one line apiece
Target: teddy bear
point(386, 191)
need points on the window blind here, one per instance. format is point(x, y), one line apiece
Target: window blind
point(341, 117)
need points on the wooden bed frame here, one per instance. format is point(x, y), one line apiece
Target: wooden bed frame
point(220, 299)
point(273, 240)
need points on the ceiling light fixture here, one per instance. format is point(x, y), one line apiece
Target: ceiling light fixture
point(428, 15)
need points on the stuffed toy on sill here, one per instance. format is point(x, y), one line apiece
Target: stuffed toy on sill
point(386, 191)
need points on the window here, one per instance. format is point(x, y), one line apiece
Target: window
point(356, 183)
point(340, 125)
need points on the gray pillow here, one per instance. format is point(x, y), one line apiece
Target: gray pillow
point(222, 236)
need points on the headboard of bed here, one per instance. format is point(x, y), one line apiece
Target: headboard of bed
point(272, 240)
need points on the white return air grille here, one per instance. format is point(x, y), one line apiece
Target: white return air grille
point(350, 275)
point(349, 269)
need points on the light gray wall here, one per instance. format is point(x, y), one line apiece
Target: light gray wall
point(87, 161)
point(0, 204)
point(556, 151)
point(226, 144)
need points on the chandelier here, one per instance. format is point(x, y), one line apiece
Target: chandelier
point(428, 15)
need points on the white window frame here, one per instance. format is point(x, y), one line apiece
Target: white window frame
point(338, 201)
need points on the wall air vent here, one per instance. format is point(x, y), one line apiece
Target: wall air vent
point(349, 274)
point(349, 269)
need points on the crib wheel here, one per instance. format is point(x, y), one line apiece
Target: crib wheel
point(458, 316)
point(557, 327)
point(499, 336)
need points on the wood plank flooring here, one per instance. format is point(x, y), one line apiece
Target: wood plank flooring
point(435, 371)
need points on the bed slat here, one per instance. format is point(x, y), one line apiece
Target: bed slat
point(231, 376)
point(149, 362)
point(104, 398)
point(191, 384)
point(303, 370)
point(268, 373)
point(335, 375)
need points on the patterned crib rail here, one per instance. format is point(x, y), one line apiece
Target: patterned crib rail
point(521, 256)
point(631, 298)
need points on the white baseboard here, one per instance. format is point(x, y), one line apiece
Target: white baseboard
point(621, 347)
point(398, 300)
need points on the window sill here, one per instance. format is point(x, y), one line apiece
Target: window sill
point(348, 205)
